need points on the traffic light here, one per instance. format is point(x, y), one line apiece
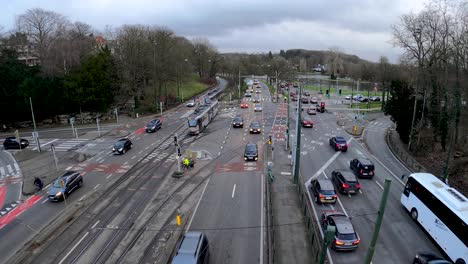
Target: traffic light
point(339, 92)
point(326, 92)
point(269, 140)
point(178, 152)
point(175, 140)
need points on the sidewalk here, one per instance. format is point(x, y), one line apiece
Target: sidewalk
point(290, 237)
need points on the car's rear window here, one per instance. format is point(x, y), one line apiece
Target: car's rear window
point(350, 236)
point(349, 177)
point(327, 192)
point(340, 140)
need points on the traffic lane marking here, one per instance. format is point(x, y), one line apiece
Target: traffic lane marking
point(52, 141)
point(233, 190)
point(18, 210)
point(73, 248)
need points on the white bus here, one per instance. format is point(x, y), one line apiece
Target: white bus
point(442, 211)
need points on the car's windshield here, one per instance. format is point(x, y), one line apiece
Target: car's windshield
point(58, 183)
point(237, 119)
point(255, 125)
point(192, 122)
point(250, 148)
point(119, 144)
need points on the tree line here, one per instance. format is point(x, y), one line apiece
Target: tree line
point(68, 67)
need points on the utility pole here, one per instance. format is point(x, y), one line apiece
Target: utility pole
point(238, 86)
point(276, 87)
point(288, 129)
point(178, 154)
point(378, 223)
point(298, 138)
point(326, 240)
point(36, 135)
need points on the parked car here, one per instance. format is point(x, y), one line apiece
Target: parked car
point(190, 103)
point(306, 121)
point(323, 191)
point(375, 99)
point(305, 100)
point(244, 104)
point(348, 97)
point(251, 152)
point(345, 181)
point(122, 146)
point(314, 100)
point(64, 185)
point(293, 98)
point(429, 258)
point(311, 111)
point(153, 125)
point(357, 96)
point(13, 143)
point(363, 99)
point(362, 167)
point(345, 237)
point(258, 108)
point(238, 121)
point(338, 143)
point(192, 248)
point(255, 127)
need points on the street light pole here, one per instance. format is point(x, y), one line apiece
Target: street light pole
point(238, 86)
point(298, 138)
point(36, 135)
point(288, 129)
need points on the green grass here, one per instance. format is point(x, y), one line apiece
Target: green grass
point(189, 88)
point(367, 105)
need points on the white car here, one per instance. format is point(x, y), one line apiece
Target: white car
point(348, 97)
point(190, 103)
point(258, 108)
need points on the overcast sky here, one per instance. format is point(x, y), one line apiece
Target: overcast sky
point(360, 27)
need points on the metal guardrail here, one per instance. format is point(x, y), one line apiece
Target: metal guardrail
point(407, 159)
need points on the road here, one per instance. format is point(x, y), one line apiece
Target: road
point(122, 179)
point(399, 238)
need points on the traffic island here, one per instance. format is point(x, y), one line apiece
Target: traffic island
point(177, 174)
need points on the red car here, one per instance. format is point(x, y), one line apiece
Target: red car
point(307, 122)
point(244, 105)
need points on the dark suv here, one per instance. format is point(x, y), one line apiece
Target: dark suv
point(323, 191)
point(338, 143)
point(251, 152)
point(237, 122)
point(192, 249)
point(345, 181)
point(153, 125)
point(255, 127)
point(345, 236)
point(362, 167)
point(12, 143)
point(64, 185)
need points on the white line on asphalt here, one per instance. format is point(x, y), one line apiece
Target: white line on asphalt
point(46, 143)
point(381, 187)
point(69, 168)
point(95, 187)
point(221, 147)
point(125, 163)
point(97, 222)
point(133, 157)
point(83, 173)
point(262, 212)
point(140, 152)
point(196, 207)
point(360, 191)
point(393, 174)
point(219, 153)
point(359, 152)
point(108, 176)
point(147, 147)
point(326, 165)
point(10, 169)
point(73, 248)
point(44, 201)
point(233, 190)
point(342, 207)
point(285, 173)
point(2, 171)
point(224, 142)
point(82, 198)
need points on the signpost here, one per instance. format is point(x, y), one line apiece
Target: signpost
point(52, 147)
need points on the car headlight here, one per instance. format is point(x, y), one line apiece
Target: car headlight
point(113, 149)
point(245, 158)
point(120, 149)
point(58, 194)
point(251, 129)
point(259, 129)
point(23, 143)
point(241, 123)
point(256, 158)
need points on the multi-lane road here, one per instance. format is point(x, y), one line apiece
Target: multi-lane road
point(223, 197)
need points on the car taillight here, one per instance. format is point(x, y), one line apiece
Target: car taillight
point(346, 144)
point(371, 173)
point(335, 196)
point(338, 242)
point(360, 171)
point(358, 186)
point(337, 145)
point(321, 196)
point(344, 185)
point(355, 242)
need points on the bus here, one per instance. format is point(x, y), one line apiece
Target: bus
point(441, 210)
point(202, 116)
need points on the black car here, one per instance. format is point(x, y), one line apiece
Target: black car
point(429, 258)
point(254, 127)
point(12, 143)
point(64, 185)
point(237, 122)
point(323, 191)
point(345, 181)
point(338, 143)
point(122, 146)
point(305, 100)
point(248, 94)
point(362, 167)
point(345, 237)
point(375, 99)
point(192, 248)
point(153, 125)
point(251, 152)
point(256, 99)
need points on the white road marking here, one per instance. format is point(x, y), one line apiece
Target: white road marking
point(133, 157)
point(10, 169)
point(44, 201)
point(140, 152)
point(233, 190)
point(108, 176)
point(2, 171)
point(82, 198)
point(125, 163)
point(196, 207)
point(16, 166)
point(95, 224)
point(73, 248)
point(69, 168)
point(285, 173)
point(95, 187)
point(381, 187)
point(360, 191)
point(219, 153)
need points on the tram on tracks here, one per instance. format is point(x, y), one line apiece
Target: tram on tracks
point(203, 115)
